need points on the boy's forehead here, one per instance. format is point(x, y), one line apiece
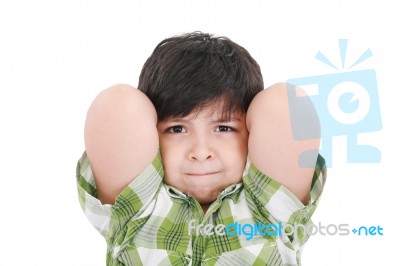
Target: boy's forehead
point(212, 112)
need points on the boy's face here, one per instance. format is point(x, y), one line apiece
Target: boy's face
point(203, 155)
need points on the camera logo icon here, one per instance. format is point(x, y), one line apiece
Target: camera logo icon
point(347, 104)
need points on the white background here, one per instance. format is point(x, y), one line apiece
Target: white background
point(55, 56)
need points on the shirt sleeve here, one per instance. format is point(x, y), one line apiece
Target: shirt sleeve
point(273, 203)
point(133, 204)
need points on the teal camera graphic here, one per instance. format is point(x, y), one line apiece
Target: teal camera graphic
point(347, 104)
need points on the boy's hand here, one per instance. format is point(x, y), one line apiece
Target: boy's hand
point(121, 138)
point(272, 147)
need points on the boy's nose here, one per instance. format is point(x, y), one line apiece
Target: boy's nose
point(201, 150)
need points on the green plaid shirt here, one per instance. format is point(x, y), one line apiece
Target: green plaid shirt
point(152, 223)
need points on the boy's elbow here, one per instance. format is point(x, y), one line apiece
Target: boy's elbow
point(284, 136)
point(121, 138)
point(287, 106)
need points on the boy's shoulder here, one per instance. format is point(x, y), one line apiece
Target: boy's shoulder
point(149, 207)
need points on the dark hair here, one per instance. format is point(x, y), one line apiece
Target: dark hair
point(187, 72)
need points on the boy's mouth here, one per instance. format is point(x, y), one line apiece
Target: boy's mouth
point(202, 173)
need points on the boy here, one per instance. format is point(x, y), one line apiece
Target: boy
point(178, 166)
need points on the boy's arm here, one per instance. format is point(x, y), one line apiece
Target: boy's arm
point(121, 138)
point(272, 147)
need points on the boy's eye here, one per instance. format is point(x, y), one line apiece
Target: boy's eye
point(224, 129)
point(176, 129)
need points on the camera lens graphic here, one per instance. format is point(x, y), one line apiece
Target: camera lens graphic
point(348, 103)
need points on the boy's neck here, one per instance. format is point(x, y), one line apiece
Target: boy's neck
point(205, 207)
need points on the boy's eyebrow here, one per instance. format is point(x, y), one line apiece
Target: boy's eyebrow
point(225, 120)
point(178, 119)
point(218, 120)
